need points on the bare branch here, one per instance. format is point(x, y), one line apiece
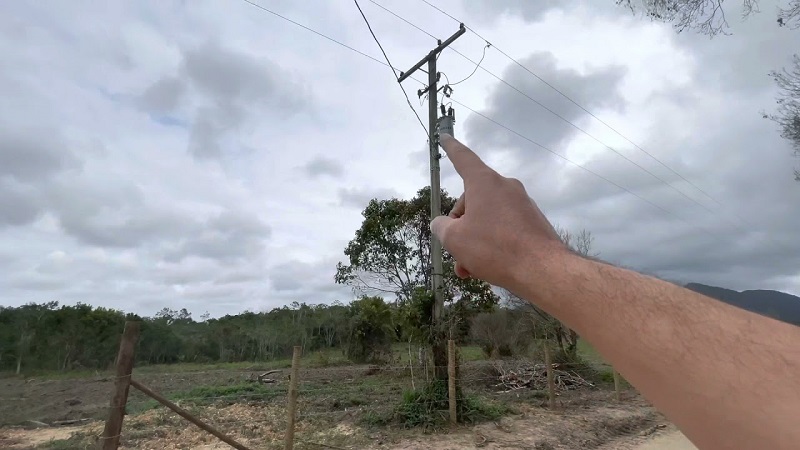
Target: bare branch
point(788, 114)
point(705, 16)
point(790, 16)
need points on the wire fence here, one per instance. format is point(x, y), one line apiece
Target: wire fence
point(364, 406)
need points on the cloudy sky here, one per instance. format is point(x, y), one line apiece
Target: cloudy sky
point(212, 156)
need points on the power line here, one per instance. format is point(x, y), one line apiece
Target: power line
point(342, 44)
point(483, 116)
point(394, 72)
point(510, 130)
point(564, 119)
point(315, 32)
point(581, 107)
point(477, 66)
point(402, 18)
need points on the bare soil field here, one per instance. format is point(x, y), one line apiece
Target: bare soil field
point(339, 407)
point(53, 400)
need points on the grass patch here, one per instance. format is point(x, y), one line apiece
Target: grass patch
point(322, 358)
point(206, 395)
point(59, 374)
point(590, 355)
point(75, 442)
point(428, 408)
point(471, 353)
point(232, 393)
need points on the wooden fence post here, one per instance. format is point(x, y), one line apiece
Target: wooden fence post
point(551, 385)
point(122, 383)
point(291, 409)
point(451, 380)
point(616, 384)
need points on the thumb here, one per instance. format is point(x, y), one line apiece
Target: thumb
point(441, 227)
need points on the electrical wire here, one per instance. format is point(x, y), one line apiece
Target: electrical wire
point(342, 44)
point(394, 71)
point(403, 19)
point(617, 185)
point(315, 32)
point(479, 114)
point(673, 171)
point(477, 66)
point(564, 119)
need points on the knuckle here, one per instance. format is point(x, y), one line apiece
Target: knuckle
point(515, 182)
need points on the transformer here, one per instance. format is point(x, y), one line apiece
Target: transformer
point(446, 123)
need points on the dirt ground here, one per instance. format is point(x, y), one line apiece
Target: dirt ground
point(594, 428)
point(333, 406)
point(670, 441)
point(53, 400)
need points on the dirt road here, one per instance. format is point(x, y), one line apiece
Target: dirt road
point(671, 441)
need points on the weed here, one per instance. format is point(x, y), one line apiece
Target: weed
point(77, 441)
point(606, 376)
point(428, 408)
point(377, 419)
point(230, 394)
point(135, 408)
point(321, 359)
point(204, 395)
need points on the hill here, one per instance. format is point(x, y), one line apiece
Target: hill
point(777, 304)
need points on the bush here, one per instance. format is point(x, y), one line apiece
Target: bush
point(321, 359)
point(502, 333)
point(371, 333)
point(428, 408)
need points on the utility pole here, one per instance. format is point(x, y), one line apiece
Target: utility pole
point(436, 191)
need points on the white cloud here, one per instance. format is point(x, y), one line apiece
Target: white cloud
point(212, 156)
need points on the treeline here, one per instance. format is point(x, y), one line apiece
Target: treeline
point(49, 336)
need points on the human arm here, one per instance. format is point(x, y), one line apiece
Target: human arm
point(725, 376)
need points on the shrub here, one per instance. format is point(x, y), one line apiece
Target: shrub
point(428, 407)
point(371, 333)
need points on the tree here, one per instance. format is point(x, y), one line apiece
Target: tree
point(503, 332)
point(390, 254)
point(370, 333)
point(790, 16)
point(788, 115)
point(52, 337)
point(706, 16)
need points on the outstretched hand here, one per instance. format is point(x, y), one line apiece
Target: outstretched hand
point(494, 226)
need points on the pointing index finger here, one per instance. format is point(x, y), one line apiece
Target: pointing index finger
point(466, 162)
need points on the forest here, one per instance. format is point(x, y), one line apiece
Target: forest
point(387, 266)
point(54, 337)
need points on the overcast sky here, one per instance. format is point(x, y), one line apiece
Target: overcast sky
point(211, 156)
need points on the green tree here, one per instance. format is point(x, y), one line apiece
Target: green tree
point(390, 254)
point(370, 333)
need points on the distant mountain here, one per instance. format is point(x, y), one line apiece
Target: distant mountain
point(780, 305)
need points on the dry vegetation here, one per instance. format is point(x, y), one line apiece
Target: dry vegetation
point(341, 407)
